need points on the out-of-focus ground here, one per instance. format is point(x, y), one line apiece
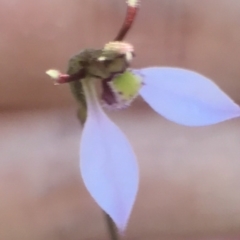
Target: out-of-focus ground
point(190, 177)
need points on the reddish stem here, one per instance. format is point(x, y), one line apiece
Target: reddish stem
point(66, 78)
point(127, 24)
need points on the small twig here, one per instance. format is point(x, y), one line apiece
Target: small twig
point(133, 6)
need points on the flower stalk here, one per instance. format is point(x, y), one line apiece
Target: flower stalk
point(132, 10)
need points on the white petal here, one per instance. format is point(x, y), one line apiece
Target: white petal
point(186, 97)
point(108, 165)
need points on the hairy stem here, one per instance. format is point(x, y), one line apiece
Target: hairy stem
point(111, 227)
point(77, 91)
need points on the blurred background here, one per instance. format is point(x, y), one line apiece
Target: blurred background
point(190, 177)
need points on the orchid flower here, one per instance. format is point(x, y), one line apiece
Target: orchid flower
point(107, 162)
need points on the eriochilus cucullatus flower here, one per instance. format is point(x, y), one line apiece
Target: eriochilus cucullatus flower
point(107, 161)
